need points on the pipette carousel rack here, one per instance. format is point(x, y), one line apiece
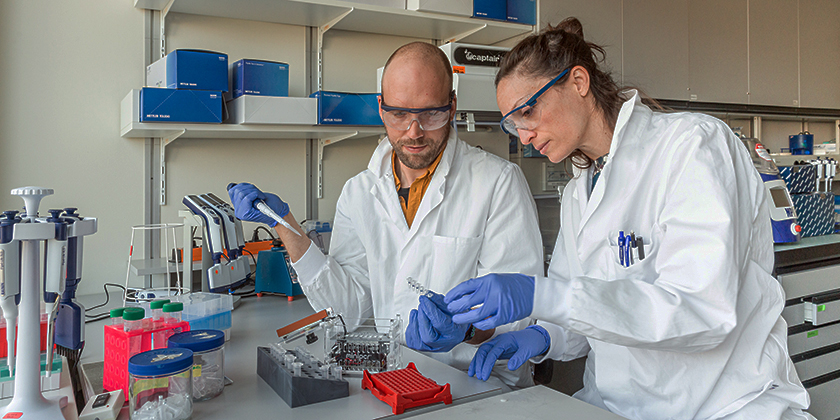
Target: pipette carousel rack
point(30, 231)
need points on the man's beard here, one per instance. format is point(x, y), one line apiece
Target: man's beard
point(422, 160)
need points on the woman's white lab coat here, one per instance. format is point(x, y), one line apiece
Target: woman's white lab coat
point(476, 217)
point(693, 331)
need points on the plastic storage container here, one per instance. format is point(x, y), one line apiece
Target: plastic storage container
point(208, 347)
point(207, 311)
point(160, 385)
point(204, 311)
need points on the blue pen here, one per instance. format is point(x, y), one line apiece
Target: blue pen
point(628, 259)
point(621, 247)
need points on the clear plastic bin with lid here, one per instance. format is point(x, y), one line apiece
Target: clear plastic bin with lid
point(160, 384)
point(208, 360)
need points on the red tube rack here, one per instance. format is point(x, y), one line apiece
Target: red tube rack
point(405, 388)
point(117, 353)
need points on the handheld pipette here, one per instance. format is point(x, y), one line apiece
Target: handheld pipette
point(264, 209)
point(9, 282)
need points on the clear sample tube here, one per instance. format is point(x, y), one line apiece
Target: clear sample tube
point(289, 359)
point(337, 372)
point(296, 368)
point(157, 309)
point(133, 321)
point(116, 316)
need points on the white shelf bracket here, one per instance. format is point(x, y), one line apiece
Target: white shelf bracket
point(756, 128)
point(463, 35)
point(321, 144)
point(165, 141)
point(163, 13)
point(321, 31)
point(470, 122)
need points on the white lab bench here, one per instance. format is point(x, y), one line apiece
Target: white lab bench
point(254, 324)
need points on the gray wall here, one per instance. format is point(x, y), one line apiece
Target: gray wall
point(65, 67)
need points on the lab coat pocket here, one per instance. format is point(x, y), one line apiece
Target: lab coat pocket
point(633, 263)
point(454, 260)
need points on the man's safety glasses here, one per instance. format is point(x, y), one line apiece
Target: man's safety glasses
point(428, 118)
point(527, 116)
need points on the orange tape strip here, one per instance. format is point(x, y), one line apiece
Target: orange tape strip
point(294, 326)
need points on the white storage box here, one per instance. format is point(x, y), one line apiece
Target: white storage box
point(452, 7)
point(475, 92)
point(251, 109)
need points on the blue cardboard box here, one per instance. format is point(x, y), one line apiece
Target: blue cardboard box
point(190, 69)
point(347, 108)
point(180, 105)
point(259, 77)
point(799, 178)
point(490, 9)
point(522, 11)
point(815, 213)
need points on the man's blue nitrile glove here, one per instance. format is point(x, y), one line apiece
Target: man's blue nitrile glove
point(518, 346)
point(243, 196)
point(430, 326)
point(505, 298)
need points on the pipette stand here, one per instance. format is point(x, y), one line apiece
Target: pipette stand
point(28, 402)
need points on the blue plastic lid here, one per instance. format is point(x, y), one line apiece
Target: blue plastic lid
point(198, 340)
point(160, 362)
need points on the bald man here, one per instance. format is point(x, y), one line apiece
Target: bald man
point(429, 207)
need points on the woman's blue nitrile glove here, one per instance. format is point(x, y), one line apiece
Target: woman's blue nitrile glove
point(518, 346)
point(243, 196)
point(505, 298)
point(430, 326)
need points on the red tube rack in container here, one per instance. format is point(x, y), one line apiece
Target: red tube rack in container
point(118, 350)
point(405, 388)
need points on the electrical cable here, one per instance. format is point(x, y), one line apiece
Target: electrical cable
point(107, 299)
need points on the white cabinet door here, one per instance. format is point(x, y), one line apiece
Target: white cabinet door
point(718, 50)
point(819, 53)
point(656, 47)
point(773, 52)
point(601, 21)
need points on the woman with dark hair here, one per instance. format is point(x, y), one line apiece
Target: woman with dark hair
point(662, 270)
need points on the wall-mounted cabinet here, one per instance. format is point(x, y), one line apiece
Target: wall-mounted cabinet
point(774, 52)
point(717, 50)
point(819, 53)
point(656, 47)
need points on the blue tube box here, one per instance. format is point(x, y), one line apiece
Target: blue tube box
point(341, 108)
point(190, 69)
point(259, 77)
point(490, 9)
point(522, 11)
point(180, 105)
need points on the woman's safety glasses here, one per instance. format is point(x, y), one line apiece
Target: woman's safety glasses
point(527, 115)
point(428, 118)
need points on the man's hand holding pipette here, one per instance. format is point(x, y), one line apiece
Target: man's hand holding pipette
point(252, 205)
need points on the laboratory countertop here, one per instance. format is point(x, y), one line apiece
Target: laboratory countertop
point(808, 253)
point(254, 323)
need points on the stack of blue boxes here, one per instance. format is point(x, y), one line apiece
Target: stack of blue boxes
point(185, 86)
point(814, 210)
point(519, 11)
point(260, 95)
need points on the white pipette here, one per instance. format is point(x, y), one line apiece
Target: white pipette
point(264, 209)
